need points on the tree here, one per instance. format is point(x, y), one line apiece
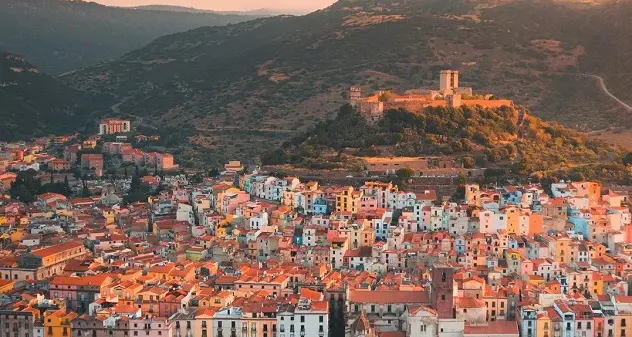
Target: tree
point(468, 162)
point(627, 160)
point(85, 192)
point(214, 172)
point(404, 173)
point(461, 179)
point(125, 172)
point(25, 186)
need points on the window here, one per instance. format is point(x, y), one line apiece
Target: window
point(321, 319)
point(302, 319)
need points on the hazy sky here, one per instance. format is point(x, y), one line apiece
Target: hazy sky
point(227, 5)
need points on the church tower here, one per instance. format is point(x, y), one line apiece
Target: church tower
point(442, 290)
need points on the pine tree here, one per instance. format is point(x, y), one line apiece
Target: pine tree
point(67, 189)
point(85, 191)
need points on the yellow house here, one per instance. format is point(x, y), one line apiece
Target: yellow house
point(222, 227)
point(348, 200)
point(496, 302)
point(596, 285)
point(513, 220)
point(195, 254)
point(543, 325)
point(109, 215)
point(57, 323)
point(623, 319)
point(562, 249)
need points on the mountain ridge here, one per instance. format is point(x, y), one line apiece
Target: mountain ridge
point(60, 35)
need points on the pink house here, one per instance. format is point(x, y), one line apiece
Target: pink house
point(527, 267)
point(368, 204)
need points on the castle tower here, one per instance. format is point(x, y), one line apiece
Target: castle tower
point(442, 290)
point(448, 80)
point(454, 100)
point(355, 95)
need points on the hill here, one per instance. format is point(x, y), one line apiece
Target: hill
point(252, 85)
point(33, 103)
point(257, 12)
point(64, 35)
point(472, 136)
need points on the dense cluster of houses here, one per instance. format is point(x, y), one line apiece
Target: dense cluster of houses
point(257, 255)
point(83, 155)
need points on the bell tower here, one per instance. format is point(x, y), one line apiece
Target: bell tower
point(442, 290)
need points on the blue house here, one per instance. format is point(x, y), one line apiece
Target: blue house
point(319, 206)
point(580, 225)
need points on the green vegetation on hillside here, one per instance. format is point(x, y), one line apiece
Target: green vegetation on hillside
point(482, 137)
point(34, 104)
point(289, 73)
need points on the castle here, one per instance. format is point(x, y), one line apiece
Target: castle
point(450, 94)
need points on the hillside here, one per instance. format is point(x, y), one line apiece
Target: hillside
point(257, 12)
point(473, 136)
point(33, 103)
point(63, 35)
point(252, 85)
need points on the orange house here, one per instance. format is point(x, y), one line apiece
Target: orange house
point(536, 224)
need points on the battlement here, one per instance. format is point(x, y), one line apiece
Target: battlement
point(448, 95)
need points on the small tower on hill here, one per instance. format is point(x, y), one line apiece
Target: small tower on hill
point(448, 80)
point(355, 95)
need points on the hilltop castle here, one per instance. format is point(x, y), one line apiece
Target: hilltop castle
point(450, 94)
